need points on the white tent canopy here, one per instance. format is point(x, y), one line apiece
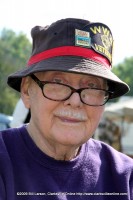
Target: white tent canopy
point(121, 113)
point(19, 114)
point(122, 110)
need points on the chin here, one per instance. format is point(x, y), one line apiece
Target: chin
point(70, 140)
point(70, 135)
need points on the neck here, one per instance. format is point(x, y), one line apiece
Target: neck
point(56, 151)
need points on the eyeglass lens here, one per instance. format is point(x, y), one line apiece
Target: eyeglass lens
point(60, 92)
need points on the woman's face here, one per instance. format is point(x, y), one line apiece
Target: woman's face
point(69, 122)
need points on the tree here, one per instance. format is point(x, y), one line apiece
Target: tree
point(124, 71)
point(14, 52)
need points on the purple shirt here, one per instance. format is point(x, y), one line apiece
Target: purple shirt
point(99, 172)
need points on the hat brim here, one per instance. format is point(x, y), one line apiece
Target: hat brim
point(72, 64)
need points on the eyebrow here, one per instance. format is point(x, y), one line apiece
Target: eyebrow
point(105, 83)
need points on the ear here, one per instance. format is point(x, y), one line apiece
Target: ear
point(25, 84)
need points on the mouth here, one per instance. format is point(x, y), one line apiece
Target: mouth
point(69, 120)
point(71, 117)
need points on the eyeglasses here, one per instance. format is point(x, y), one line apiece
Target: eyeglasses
point(61, 92)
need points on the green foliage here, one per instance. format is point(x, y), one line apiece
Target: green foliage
point(125, 72)
point(14, 53)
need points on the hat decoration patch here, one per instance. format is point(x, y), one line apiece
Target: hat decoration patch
point(96, 36)
point(82, 38)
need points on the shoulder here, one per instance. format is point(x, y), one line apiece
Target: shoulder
point(9, 138)
point(108, 155)
point(8, 134)
point(11, 144)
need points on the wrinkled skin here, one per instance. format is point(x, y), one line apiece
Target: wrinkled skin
point(59, 128)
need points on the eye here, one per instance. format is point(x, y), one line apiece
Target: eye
point(92, 85)
point(58, 80)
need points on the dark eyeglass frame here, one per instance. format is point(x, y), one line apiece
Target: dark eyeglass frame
point(41, 84)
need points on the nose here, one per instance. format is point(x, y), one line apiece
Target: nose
point(74, 100)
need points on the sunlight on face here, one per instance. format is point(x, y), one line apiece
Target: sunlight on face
point(69, 122)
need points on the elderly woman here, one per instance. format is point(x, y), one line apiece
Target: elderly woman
point(66, 84)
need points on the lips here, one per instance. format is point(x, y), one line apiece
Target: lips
point(71, 116)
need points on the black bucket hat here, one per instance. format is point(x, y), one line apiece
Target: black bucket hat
point(72, 45)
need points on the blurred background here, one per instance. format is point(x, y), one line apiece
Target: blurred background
point(17, 19)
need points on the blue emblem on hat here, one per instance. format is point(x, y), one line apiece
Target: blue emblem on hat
point(82, 38)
